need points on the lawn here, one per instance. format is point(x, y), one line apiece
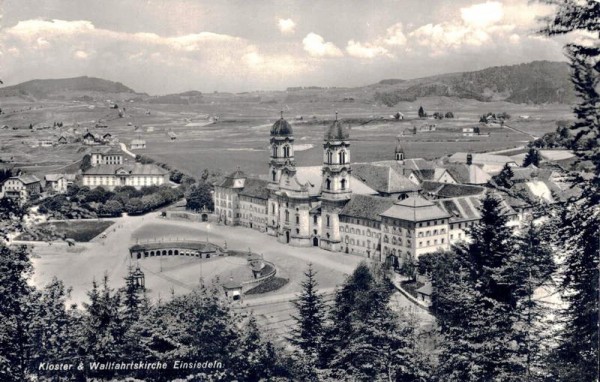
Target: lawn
point(80, 230)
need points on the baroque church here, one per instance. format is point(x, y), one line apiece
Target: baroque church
point(371, 209)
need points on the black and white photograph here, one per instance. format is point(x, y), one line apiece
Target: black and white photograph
point(299, 190)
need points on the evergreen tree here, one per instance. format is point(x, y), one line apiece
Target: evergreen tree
point(308, 332)
point(53, 331)
point(17, 311)
point(422, 113)
point(475, 302)
point(532, 158)
point(504, 178)
point(578, 237)
point(255, 358)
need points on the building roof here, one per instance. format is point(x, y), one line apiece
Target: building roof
point(131, 169)
point(450, 190)
point(468, 174)
point(367, 207)
point(27, 179)
point(313, 176)
point(336, 132)
point(138, 142)
point(415, 209)
point(281, 128)
point(228, 181)
point(107, 150)
point(481, 158)
point(255, 188)
point(461, 209)
point(529, 173)
point(53, 177)
point(383, 179)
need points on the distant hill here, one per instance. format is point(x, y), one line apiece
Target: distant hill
point(65, 88)
point(535, 82)
point(185, 98)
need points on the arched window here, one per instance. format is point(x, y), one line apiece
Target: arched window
point(342, 157)
point(274, 151)
point(328, 184)
point(286, 151)
point(315, 219)
point(329, 157)
point(327, 220)
point(274, 175)
point(343, 182)
point(287, 216)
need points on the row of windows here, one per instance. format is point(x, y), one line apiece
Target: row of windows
point(435, 242)
point(358, 231)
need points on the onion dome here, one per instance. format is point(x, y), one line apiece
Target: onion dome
point(281, 128)
point(337, 131)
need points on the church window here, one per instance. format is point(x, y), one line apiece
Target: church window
point(287, 216)
point(329, 157)
point(297, 219)
point(342, 157)
point(343, 184)
point(315, 219)
point(274, 151)
point(327, 220)
point(286, 151)
point(274, 175)
point(328, 184)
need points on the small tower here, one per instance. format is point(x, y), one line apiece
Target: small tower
point(335, 186)
point(399, 151)
point(282, 150)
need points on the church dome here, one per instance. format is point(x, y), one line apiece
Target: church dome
point(281, 128)
point(336, 132)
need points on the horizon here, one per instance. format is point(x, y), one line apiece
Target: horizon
point(234, 47)
point(5, 84)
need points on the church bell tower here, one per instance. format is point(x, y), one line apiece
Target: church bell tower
point(335, 185)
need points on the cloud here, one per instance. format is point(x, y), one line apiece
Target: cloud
point(62, 48)
point(395, 35)
point(480, 25)
point(366, 50)
point(480, 15)
point(316, 46)
point(286, 26)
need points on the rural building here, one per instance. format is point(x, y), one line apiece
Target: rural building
point(106, 155)
point(136, 175)
point(172, 135)
point(427, 128)
point(56, 183)
point(46, 142)
point(62, 140)
point(91, 139)
point(470, 131)
point(137, 144)
point(21, 187)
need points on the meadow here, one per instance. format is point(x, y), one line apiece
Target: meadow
point(240, 137)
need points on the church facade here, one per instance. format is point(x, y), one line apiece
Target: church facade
point(376, 213)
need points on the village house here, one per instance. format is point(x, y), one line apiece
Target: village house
point(21, 187)
point(56, 183)
point(137, 144)
point(91, 139)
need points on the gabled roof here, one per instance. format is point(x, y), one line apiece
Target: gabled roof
point(255, 188)
point(367, 207)
point(53, 177)
point(27, 179)
point(228, 181)
point(415, 209)
point(468, 174)
point(529, 173)
point(482, 158)
point(461, 209)
point(131, 169)
point(450, 190)
point(383, 179)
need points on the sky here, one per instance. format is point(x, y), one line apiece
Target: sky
point(168, 46)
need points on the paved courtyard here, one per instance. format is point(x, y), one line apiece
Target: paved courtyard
point(78, 266)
